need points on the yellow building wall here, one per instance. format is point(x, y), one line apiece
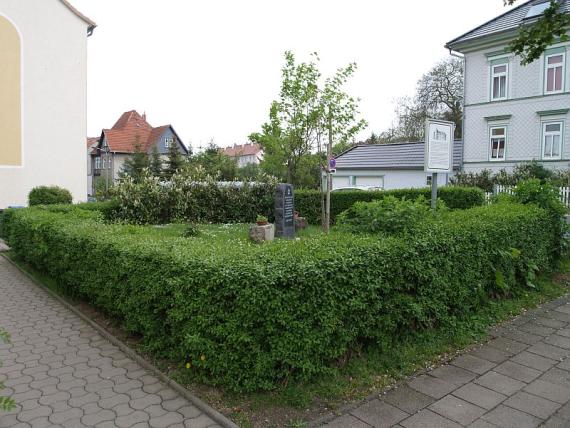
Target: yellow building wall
point(10, 98)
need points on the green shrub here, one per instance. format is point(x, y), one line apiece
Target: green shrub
point(248, 317)
point(544, 195)
point(49, 195)
point(388, 215)
point(308, 202)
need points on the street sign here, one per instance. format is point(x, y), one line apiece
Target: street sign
point(332, 163)
point(439, 146)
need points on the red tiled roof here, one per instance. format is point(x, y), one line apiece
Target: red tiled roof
point(88, 21)
point(242, 150)
point(92, 140)
point(131, 130)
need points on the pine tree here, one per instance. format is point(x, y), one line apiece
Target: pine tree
point(135, 164)
point(155, 163)
point(174, 161)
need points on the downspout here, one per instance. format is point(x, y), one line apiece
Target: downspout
point(462, 57)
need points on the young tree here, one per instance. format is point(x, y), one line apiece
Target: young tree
point(535, 38)
point(155, 163)
point(174, 161)
point(294, 125)
point(299, 120)
point(135, 164)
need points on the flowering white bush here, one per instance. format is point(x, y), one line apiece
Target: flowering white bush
point(192, 198)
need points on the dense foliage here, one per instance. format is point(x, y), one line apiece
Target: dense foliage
point(308, 202)
point(487, 180)
point(388, 216)
point(250, 316)
point(49, 195)
point(184, 198)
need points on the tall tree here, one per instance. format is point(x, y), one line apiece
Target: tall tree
point(135, 164)
point(535, 38)
point(439, 95)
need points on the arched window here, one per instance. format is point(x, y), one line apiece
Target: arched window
point(10, 95)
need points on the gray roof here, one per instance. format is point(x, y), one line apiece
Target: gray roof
point(391, 156)
point(510, 20)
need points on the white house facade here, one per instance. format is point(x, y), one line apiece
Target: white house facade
point(245, 154)
point(388, 166)
point(514, 113)
point(43, 102)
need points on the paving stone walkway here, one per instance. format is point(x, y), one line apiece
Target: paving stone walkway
point(62, 373)
point(520, 378)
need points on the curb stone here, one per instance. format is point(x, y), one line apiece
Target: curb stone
point(208, 410)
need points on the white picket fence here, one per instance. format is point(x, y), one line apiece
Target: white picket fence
point(564, 193)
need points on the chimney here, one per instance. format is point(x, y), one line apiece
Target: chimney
point(144, 116)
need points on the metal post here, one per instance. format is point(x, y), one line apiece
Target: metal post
point(329, 177)
point(434, 190)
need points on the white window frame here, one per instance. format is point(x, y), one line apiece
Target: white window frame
point(98, 162)
point(552, 133)
point(548, 66)
point(499, 75)
point(491, 137)
point(168, 142)
point(429, 179)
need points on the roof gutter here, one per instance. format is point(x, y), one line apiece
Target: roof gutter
point(462, 57)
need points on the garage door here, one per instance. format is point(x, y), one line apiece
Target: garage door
point(363, 181)
point(340, 182)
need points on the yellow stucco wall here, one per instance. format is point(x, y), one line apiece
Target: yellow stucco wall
point(10, 98)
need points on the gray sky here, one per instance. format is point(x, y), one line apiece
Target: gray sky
point(211, 68)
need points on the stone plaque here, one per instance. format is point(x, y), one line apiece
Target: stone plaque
point(284, 211)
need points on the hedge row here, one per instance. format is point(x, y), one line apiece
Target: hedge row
point(249, 316)
point(308, 202)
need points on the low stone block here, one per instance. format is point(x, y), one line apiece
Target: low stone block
point(262, 233)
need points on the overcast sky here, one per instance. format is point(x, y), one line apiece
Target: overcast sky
point(211, 68)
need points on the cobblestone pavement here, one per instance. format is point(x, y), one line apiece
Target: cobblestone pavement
point(520, 378)
point(62, 373)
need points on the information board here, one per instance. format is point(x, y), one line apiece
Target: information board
point(439, 146)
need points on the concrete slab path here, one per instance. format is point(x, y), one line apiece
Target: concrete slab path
point(63, 373)
point(520, 378)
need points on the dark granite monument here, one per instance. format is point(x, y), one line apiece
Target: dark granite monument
point(284, 211)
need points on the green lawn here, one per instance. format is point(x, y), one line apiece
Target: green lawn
point(211, 233)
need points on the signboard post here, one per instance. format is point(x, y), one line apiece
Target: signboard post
point(439, 152)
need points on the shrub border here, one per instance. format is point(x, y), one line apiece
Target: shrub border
point(131, 353)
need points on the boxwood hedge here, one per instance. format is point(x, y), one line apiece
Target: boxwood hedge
point(249, 316)
point(308, 202)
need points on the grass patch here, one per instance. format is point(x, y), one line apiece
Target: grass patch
point(207, 233)
point(369, 369)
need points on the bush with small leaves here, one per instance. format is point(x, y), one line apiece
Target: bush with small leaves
point(49, 195)
point(290, 309)
point(389, 216)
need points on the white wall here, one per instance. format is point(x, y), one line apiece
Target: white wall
point(525, 99)
point(393, 179)
point(54, 43)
